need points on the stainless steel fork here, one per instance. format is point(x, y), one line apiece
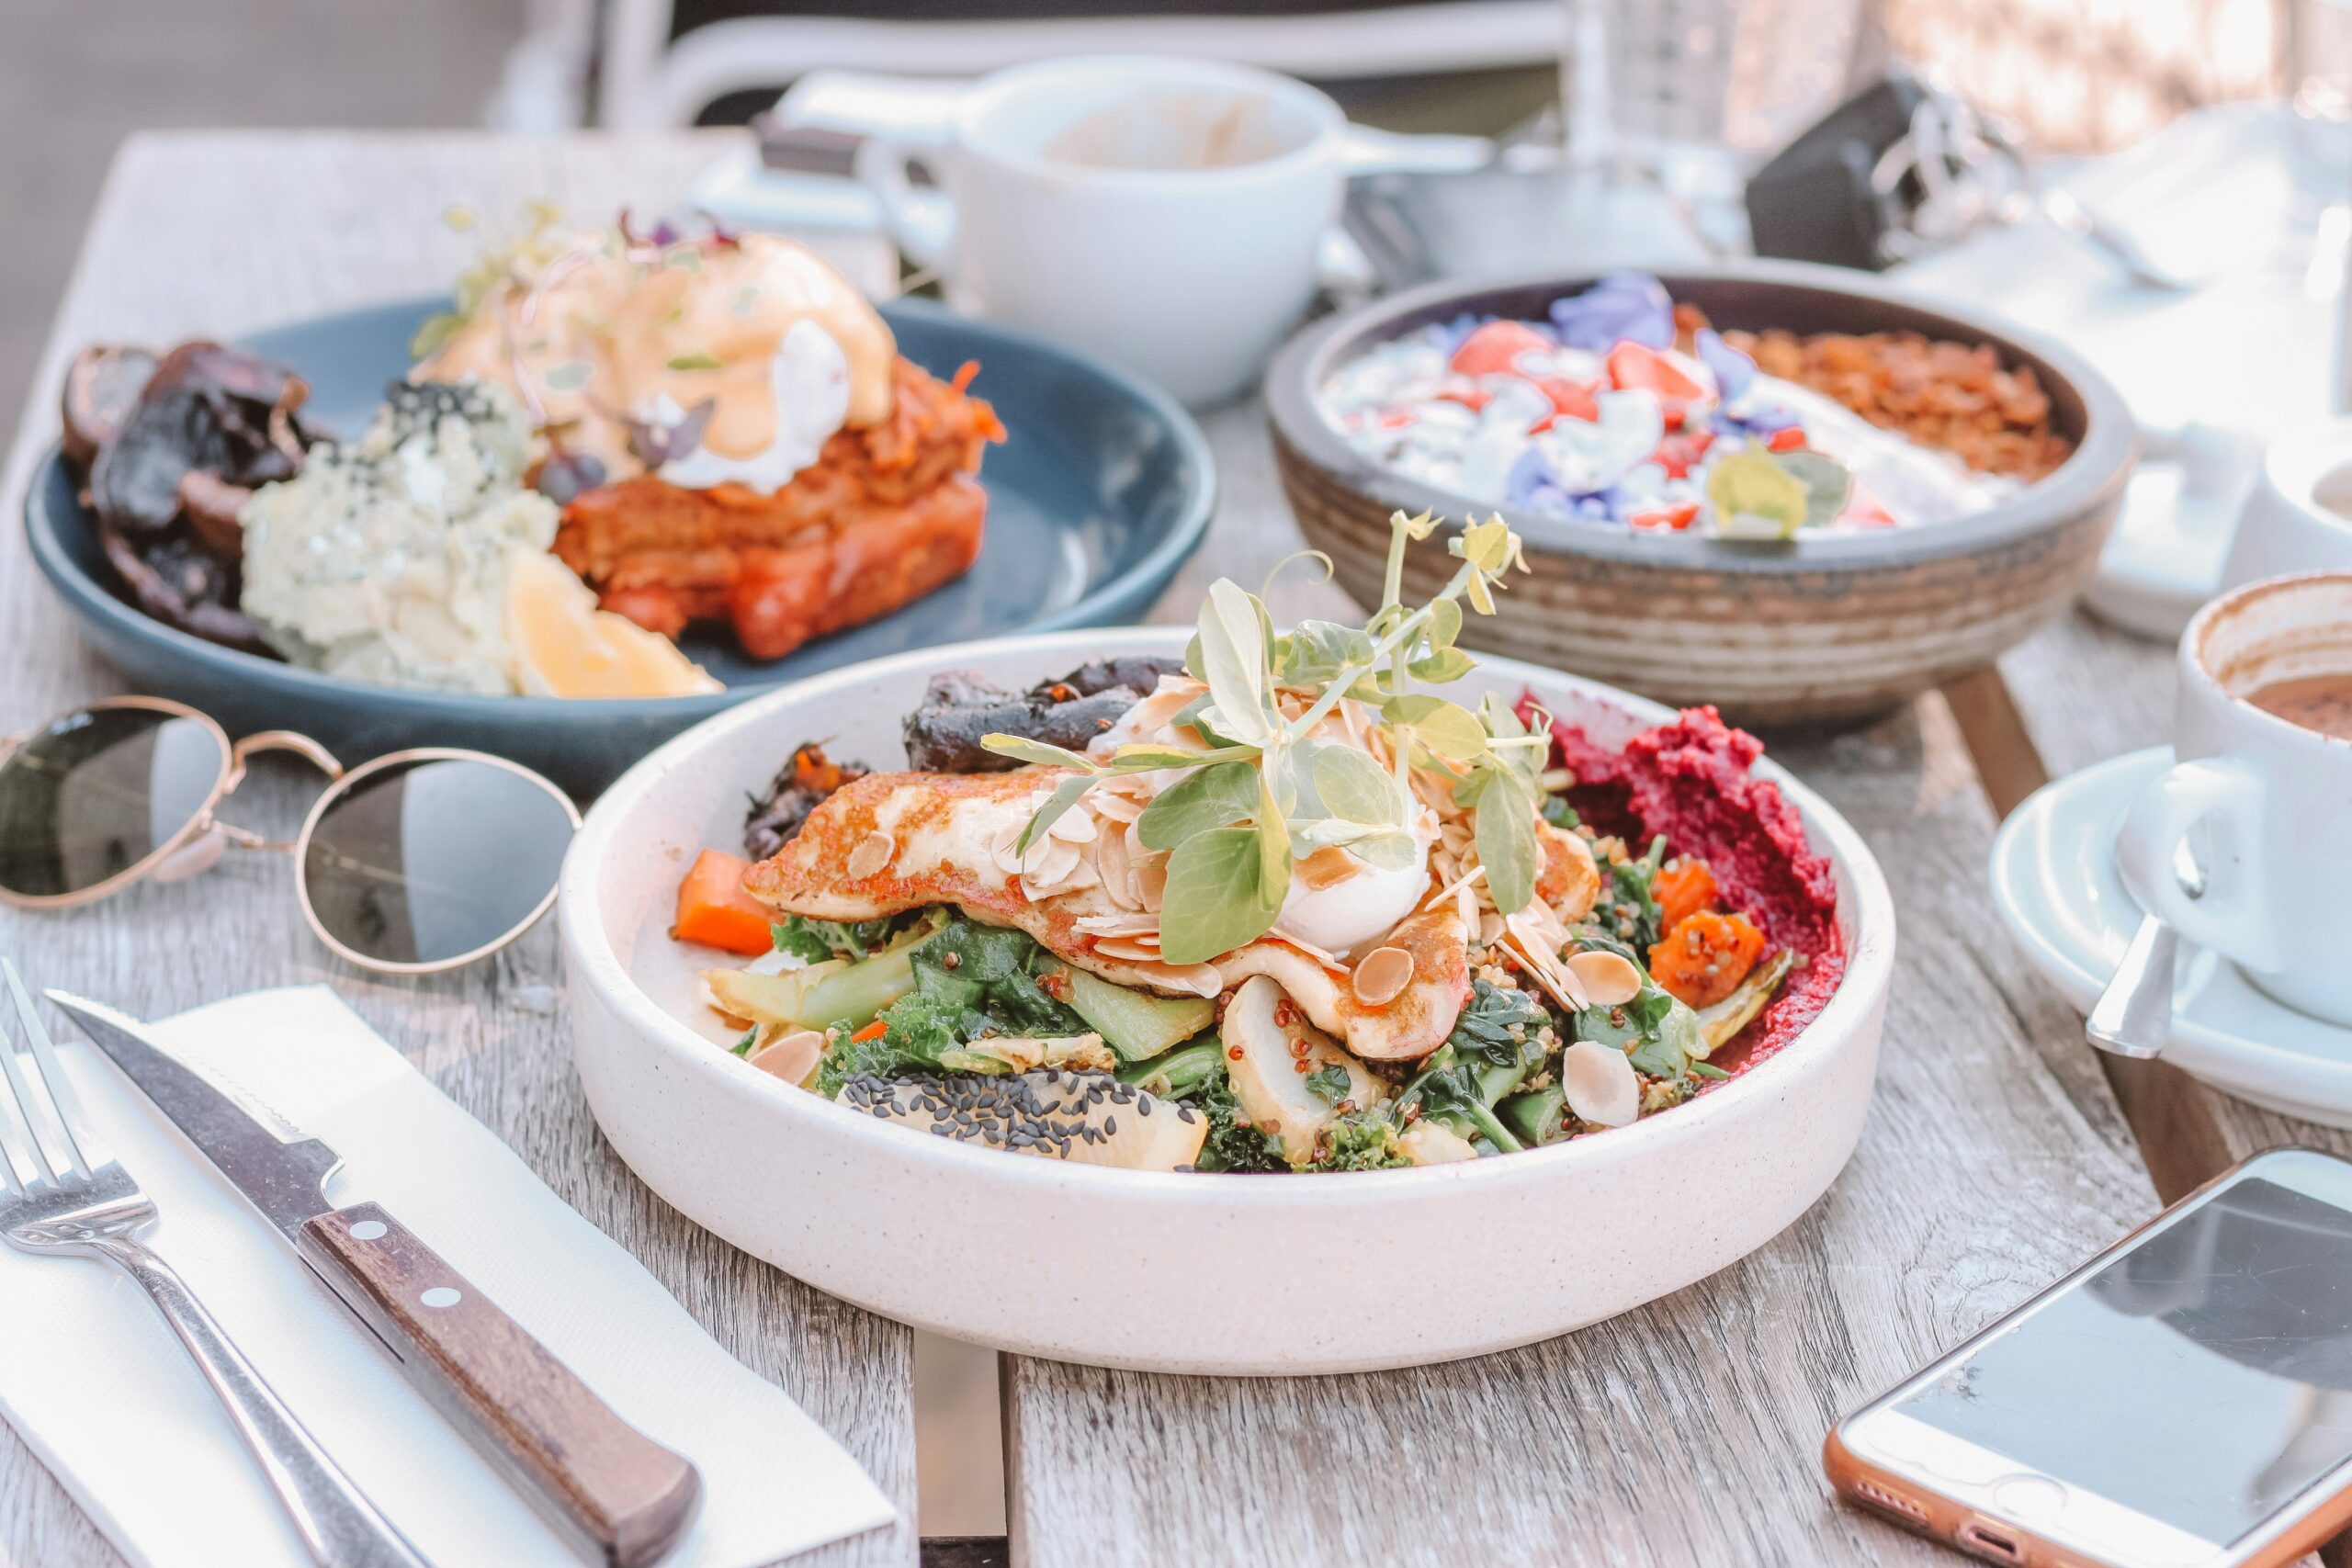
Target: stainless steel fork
point(62, 1193)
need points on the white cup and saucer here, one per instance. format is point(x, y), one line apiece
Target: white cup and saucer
point(2297, 516)
point(1174, 216)
point(2260, 789)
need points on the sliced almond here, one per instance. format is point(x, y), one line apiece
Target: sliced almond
point(1190, 979)
point(1600, 1083)
point(1151, 879)
point(1073, 827)
point(1113, 804)
point(1326, 959)
point(1117, 868)
point(1119, 922)
point(871, 854)
point(1608, 979)
point(792, 1056)
point(1384, 971)
point(1134, 948)
point(1325, 867)
point(1008, 860)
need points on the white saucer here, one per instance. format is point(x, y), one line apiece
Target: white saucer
point(2055, 883)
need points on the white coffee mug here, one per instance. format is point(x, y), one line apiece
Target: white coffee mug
point(2298, 517)
point(1165, 213)
point(2270, 802)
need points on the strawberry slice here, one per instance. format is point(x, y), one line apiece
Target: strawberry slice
point(1495, 348)
point(1863, 511)
point(1633, 368)
point(1469, 394)
point(1571, 399)
point(1677, 455)
point(1676, 517)
point(1787, 440)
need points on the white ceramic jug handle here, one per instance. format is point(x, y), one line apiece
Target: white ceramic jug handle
point(922, 221)
point(2232, 915)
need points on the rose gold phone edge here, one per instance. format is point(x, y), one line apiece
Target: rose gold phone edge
point(1912, 1500)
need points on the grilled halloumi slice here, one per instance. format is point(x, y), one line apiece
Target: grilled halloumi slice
point(890, 842)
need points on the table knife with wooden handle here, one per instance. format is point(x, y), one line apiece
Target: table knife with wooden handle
point(621, 1496)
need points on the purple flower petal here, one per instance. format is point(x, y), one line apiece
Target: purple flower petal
point(1621, 307)
point(1529, 483)
point(1734, 371)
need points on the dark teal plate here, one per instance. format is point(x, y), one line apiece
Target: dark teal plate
point(1102, 488)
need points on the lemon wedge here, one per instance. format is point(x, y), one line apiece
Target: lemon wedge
point(565, 646)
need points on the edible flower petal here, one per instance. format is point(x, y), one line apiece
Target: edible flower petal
point(1622, 307)
point(1494, 349)
point(1734, 372)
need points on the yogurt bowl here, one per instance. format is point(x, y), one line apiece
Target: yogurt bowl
point(1169, 1272)
point(1835, 622)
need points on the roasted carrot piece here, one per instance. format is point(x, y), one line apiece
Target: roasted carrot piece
point(713, 909)
point(1683, 887)
point(1706, 955)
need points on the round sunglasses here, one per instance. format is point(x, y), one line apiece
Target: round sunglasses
point(415, 862)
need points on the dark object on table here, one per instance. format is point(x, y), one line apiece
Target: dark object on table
point(943, 735)
point(1816, 201)
point(800, 786)
point(170, 451)
point(1835, 626)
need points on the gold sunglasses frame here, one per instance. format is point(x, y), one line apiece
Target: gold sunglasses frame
point(234, 755)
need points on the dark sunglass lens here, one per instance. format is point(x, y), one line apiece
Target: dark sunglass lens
point(99, 790)
point(428, 861)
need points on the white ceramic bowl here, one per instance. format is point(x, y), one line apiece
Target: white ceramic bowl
point(1167, 1272)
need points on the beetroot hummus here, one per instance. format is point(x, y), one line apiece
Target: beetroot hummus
point(1689, 780)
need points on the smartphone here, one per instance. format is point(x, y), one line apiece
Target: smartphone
point(2183, 1400)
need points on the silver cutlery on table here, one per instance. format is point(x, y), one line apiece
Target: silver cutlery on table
point(62, 1193)
point(614, 1491)
point(2134, 1016)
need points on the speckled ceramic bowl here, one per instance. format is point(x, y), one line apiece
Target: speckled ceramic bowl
point(1169, 1272)
point(1828, 627)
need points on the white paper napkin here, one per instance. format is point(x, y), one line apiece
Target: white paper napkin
point(101, 1389)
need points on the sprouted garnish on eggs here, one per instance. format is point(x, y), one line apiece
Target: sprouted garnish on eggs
point(1263, 790)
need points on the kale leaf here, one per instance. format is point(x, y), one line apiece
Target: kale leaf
point(1329, 1083)
point(818, 940)
point(1660, 1035)
point(971, 981)
point(1229, 1145)
point(1361, 1140)
point(1485, 1026)
point(993, 970)
point(1627, 911)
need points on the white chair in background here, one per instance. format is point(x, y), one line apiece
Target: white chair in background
point(651, 81)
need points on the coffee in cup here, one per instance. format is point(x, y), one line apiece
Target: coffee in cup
point(2262, 791)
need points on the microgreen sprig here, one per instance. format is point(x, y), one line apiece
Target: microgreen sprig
point(1263, 789)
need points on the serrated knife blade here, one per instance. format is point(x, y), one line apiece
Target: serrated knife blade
point(616, 1493)
point(282, 1171)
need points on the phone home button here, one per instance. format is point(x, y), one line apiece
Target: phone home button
point(2028, 1496)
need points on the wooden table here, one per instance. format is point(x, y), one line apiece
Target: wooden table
point(1996, 1154)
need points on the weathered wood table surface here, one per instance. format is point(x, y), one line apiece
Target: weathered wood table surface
point(1996, 1154)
